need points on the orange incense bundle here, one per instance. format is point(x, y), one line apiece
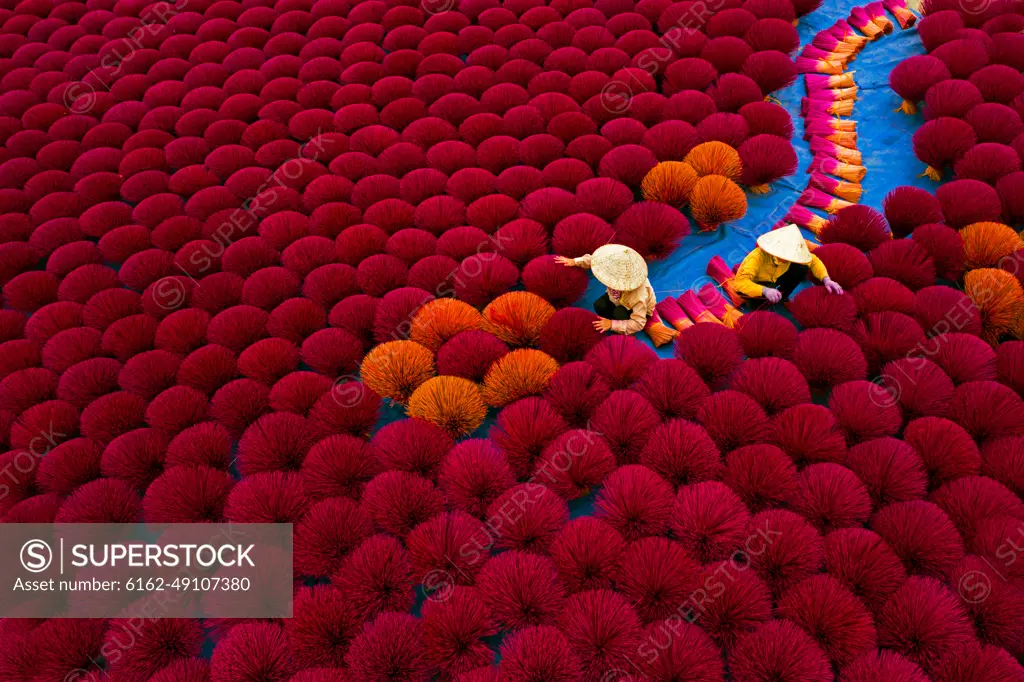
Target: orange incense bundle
point(718, 306)
point(816, 81)
point(815, 198)
point(901, 12)
point(850, 191)
point(846, 171)
point(720, 271)
point(820, 145)
point(876, 11)
point(660, 333)
point(670, 311)
point(799, 215)
point(861, 21)
point(697, 311)
point(810, 106)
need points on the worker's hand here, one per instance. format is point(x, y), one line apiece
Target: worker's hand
point(602, 325)
point(773, 295)
point(567, 262)
point(831, 286)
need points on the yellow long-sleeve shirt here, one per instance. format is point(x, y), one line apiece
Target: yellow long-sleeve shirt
point(760, 266)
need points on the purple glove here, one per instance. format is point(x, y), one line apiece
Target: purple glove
point(831, 286)
point(773, 295)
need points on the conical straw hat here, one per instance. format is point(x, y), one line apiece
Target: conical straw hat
point(618, 267)
point(786, 243)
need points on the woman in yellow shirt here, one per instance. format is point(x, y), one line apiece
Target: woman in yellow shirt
point(777, 266)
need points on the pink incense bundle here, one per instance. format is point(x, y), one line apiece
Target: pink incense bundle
point(718, 306)
point(876, 11)
point(697, 311)
point(811, 65)
point(850, 191)
point(824, 40)
point(846, 171)
point(823, 127)
point(815, 81)
point(861, 21)
point(799, 215)
point(842, 30)
point(670, 311)
point(720, 271)
point(817, 53)
point(901, 12)
point(659, 332)
point(835, 94)
point(810, 106)
point(820, 145)
point(815, 198)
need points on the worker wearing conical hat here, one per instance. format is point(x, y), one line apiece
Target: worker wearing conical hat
point(629, 300)
point(779, 263)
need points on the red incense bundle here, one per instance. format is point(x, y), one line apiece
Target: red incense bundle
point(720, 271)
point(718, 306)
point(670, 311)
point(697, 311)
